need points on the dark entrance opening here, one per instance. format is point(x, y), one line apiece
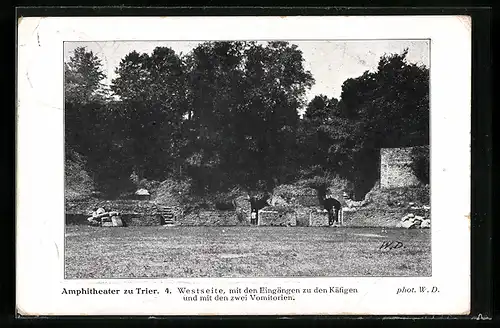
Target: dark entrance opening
point(257, 203)
point(333, 212)
point(332, 205)
point(254, 219)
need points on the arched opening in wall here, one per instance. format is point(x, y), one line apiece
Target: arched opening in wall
point(367, 173)
point(331, 205)
point(334, 209)
point(420, 163)
point(257, 203)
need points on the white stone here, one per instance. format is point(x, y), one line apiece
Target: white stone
point(408, 217)
point(408, 224)
point(142, 192)
point(106, 219)
point(117, 221)
point(426, 224)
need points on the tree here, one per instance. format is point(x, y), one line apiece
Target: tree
point(152, 91)
point(275, 85)
point(92, 127)
point(213, 81)
point(243, 100)
point(392, 103)
point(321, 110)
point(387, 108)
point(83, 77)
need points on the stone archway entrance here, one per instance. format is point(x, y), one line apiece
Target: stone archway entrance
point(257, 203)
point(334, 209)
point(331, 205)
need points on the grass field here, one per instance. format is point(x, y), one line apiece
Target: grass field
point(169, 252)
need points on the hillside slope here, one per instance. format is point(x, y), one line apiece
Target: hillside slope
point(78, 182)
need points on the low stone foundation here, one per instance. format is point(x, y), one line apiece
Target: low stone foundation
point(302, 216)
point(318, 218)
point(214, 218)
point(276, 216)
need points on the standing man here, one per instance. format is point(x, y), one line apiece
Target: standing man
point(254, 217)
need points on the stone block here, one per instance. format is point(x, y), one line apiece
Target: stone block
point(117, 221)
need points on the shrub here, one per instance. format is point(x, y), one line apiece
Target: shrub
point(149, 185)
point(78, 182)
point(171, 192)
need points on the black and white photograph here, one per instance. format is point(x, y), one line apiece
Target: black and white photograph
point(306, 158)
point(285, 165)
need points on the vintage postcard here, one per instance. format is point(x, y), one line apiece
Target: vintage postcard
point(243, 165)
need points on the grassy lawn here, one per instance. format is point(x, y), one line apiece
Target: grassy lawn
point(164, 252)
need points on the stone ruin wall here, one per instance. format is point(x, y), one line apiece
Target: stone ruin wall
point(271, 216)
point(318, 218)
point(395, 168)
point(214, 218)
point(298, 216)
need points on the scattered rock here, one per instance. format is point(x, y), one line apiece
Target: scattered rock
point(408, 217)
point(101, 218)
point(411, 203)
point(408, 224)
point(95, 224)
point(142, 192)
point(106, 219)
point(412, 221)
point(426, 224)
point(117, 221)
point(99, 211)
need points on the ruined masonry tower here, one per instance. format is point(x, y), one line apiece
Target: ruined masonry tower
point(396, 168)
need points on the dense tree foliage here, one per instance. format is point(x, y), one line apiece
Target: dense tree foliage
point(83, 77)
point(227, 114)
point(152, 91)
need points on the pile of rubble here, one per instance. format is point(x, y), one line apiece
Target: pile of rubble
point(412, 221)
point(101, 218)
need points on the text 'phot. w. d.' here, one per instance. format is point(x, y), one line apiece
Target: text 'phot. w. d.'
point(247, 159)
